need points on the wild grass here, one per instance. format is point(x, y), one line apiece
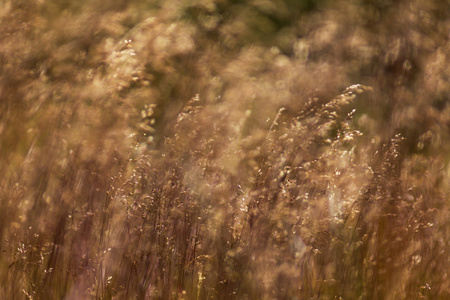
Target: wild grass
point(224, 150)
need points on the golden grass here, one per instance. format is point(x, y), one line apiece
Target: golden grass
point(224, 150)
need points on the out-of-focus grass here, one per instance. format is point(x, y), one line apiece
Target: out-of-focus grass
point(224, 149)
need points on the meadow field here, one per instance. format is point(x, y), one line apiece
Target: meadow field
point(225, 149)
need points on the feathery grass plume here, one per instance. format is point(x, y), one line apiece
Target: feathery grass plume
point(296, 205)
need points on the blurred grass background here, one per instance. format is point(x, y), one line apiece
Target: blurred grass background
point(220, 149)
